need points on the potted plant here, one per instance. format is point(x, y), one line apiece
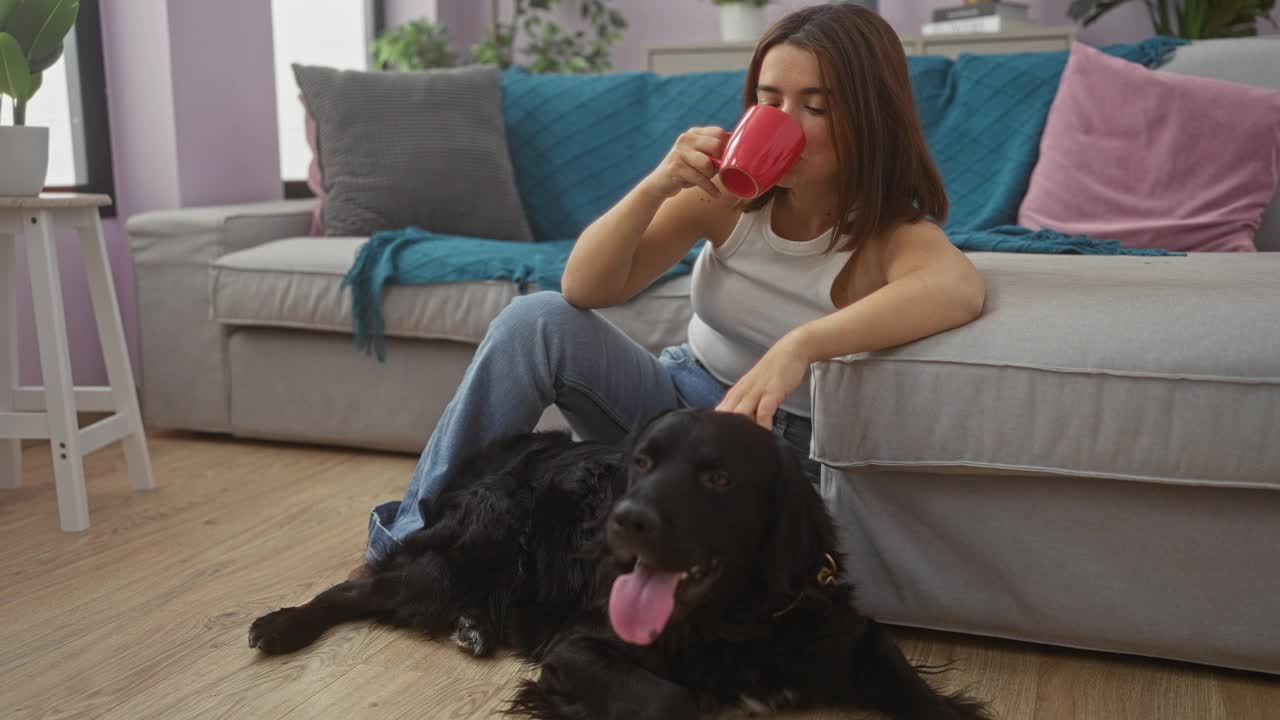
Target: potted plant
point(1189, 19)
point(416, 45)
point(546, 47)
point(31, 34)
point(549, 47)
point(741, 20)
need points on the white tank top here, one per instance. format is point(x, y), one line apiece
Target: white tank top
point(752, 290)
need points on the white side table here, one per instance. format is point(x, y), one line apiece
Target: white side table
point(50, 411)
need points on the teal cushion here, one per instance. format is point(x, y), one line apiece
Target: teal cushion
point(579, 143)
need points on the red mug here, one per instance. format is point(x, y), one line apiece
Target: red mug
point(762, 148)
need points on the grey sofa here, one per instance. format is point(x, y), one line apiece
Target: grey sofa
point(1095, 462)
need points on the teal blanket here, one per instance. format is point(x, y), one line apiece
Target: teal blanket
point(414, 255)
point(579, 143)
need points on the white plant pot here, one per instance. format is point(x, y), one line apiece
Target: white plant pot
point(740, 22)
point(24, 159)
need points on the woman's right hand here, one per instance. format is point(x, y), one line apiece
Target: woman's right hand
point(689, 163)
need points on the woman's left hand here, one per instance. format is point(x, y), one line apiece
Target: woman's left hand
point(761, 391)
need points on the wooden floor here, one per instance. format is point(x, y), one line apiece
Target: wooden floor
point(145, 615)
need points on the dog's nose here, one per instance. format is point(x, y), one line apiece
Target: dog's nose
point(635, 521)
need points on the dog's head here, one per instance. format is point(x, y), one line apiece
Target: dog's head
point(715, 505)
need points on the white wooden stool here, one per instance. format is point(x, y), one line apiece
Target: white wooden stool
point(50, 411)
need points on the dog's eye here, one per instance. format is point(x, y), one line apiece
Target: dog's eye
point(716, 478)
point(642, 463)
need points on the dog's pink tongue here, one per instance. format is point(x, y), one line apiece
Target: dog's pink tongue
point(641, 603)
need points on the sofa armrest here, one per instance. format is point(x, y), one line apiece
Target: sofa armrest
point(184, 382)
point(220, 228)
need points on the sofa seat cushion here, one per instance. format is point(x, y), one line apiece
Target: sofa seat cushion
point(297, 283)
point(1159, 369)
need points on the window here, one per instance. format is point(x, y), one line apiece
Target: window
point(72, 103)
point(334, 33)
point(51, 108)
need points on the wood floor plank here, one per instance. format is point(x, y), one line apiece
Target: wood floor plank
point(235, 683)
point(115, 652)
point(146, 614)
point(406, 694)
point(1080, 686)
point(121, 524)
point(231, 505)
point(1003, 674)
point(154, 574)
point(411, 650)
point(221, 575)
point(1248, 695)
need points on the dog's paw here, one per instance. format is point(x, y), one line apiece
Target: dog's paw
point(473, 637)
point(282, 631)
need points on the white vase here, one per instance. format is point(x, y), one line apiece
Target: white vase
point(24, 159)
point(740, 22)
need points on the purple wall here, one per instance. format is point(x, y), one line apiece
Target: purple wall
point(191, 124)
point(671, 22)
point(651, 21)
point(82, 333)
point(224, 101)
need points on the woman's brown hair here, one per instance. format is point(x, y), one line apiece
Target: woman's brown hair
point(889, 177)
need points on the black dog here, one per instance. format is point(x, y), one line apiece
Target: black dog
point(710, 584)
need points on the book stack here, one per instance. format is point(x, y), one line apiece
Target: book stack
point(979, 16)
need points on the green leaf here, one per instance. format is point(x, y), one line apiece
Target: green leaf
point(417, 45)
point(1234, 18)
point(15, 75)
point(40, 64)
point(6, 7)
point(40, 25)
point(1086, 12)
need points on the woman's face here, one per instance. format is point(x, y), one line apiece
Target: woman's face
point(790, 79)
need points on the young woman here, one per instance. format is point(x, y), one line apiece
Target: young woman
point(843, 256)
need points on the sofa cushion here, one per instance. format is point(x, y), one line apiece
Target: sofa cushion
point(1189, 165)
point(297, 283)
point(983, 114)
point(581, 142)
point(1111, 367)
point(1248, 61)
point(413, 148)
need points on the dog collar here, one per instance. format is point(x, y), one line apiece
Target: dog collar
point(827, 576)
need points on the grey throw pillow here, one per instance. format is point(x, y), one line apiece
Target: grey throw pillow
point(413, 148)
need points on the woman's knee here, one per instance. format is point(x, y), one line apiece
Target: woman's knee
point(536, 314)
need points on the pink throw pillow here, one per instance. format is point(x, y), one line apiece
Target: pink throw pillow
point(1154, 160)
point(314, 183)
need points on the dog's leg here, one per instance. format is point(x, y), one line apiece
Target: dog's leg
point(588, 677)
point(886, 681)
point(293, 628)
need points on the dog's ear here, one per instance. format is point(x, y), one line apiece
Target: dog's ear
point(802, 530)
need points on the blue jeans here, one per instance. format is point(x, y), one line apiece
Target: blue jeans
point(541, 351)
